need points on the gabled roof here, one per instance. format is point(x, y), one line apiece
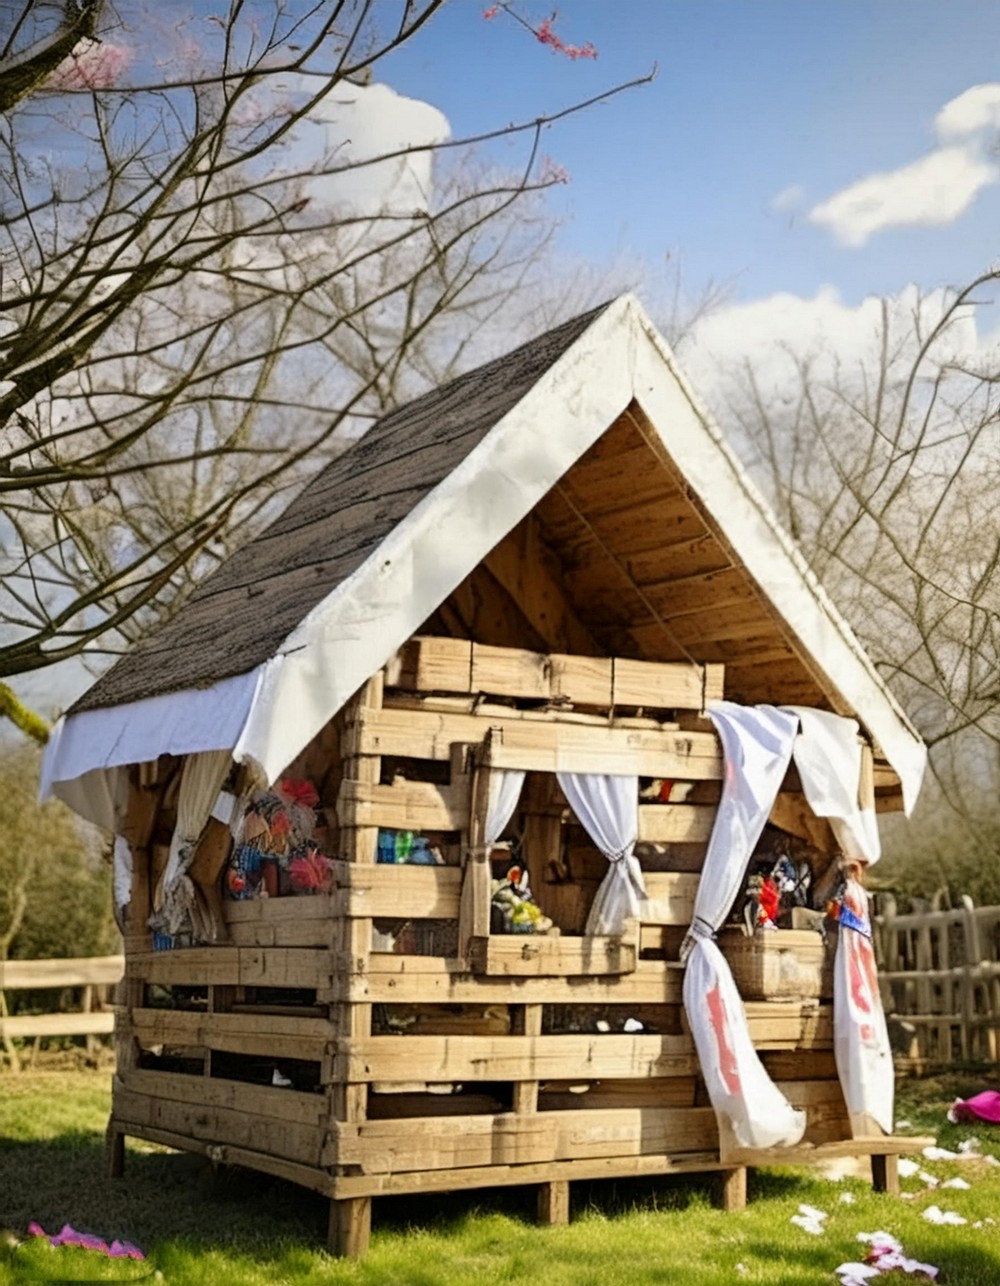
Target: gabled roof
point(591, 433)
point(239, 617)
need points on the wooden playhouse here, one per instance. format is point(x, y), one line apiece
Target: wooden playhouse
point(552, 565)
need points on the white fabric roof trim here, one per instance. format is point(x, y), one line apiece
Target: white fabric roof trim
point(269, 714)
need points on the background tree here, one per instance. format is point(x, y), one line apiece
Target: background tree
point(233, 269)
point(887, 473)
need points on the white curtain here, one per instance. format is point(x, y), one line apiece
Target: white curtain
point(608, 809)
point(860, 1037)
point(740, 1090)
point(504, 790)
point(757, 748)
point(828, 757)
point(201, 780)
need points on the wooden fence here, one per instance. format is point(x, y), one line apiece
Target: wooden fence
point(89, 978)
point(940, 975)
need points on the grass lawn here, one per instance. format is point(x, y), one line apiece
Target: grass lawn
point(233, 1228)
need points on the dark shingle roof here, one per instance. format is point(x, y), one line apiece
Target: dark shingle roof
point(239, 617)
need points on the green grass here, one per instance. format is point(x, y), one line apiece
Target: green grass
point(232, 1228)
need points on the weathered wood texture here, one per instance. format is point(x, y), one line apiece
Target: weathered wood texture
point(503, 1061)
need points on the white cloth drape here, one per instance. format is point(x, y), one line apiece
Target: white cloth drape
point(201, 780)
point(860, 1037)
point(828, 758)
point(757, 748)
point(122, 872)
point(608, 809)
point(739, 1088)
point(504, 791)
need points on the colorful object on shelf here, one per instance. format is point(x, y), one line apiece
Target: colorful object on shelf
point(311, 872)
point(276, 854)
point(68, 1236)
point(513, 909)
point(394, 846)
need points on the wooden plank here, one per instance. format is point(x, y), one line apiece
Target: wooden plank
point(24, 1026)
point(670, 896)
point(405, 805)
point(24, 975)
point(392, 979)
point(428, 664)
point(430, 734)
point(882, 1145)
point(666, 686)
point(216, 1124)
point(435, 1143)
point(235, 966)
point(508, 671)
point(495, 1176)
point(519, 1058)
point(417, 892)
point(265, 1101)
point(266, 1035)
point(229, 1154)
point(687, 756)
point(675, 823)
point(534, 954)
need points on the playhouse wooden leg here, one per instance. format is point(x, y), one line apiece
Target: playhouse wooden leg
point(350, 1226)
point(114, 1141)
point(885, 1173)
point(733, 1189)
point(553, 1202)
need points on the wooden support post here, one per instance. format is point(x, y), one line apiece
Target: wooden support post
point(114, 1154)
point(733, 1189)
point(885, 1173)
point(350, 1227)
point(553, 1202)
point(528, 1023)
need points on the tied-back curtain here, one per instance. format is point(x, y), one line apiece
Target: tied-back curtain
point(828, 758)
point(608, 809)
point(503, 793)
point(752, 1111)
point(201, 780)
point(860, 1037)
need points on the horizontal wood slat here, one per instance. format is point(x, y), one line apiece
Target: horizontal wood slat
point(433, 979)
point(260, 1034)
point(25, 975)
point(456, 665)
point(235, 966)
point(510, 1139)
point(23, 1026)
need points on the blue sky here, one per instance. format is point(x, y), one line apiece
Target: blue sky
point(752, 100)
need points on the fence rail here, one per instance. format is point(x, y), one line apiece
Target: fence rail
point(940, 976)
point(91, 977)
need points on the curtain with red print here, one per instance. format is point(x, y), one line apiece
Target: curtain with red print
point(752, 1112)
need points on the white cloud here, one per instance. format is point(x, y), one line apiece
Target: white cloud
point(788, 200)
point(931, 192)
point(773, 334)
point(975, 110)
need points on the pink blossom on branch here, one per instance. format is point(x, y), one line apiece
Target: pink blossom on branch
point(544, 33)
point(93, 64)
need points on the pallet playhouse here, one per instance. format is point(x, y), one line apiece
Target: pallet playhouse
point(542, 575)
